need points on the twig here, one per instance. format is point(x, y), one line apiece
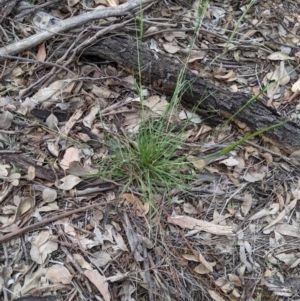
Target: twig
point(32, 8)
point(67, 24)
point(147, 274)
point(36, 61)
point(8, 237)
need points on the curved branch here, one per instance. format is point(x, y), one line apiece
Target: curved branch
point(67, 24)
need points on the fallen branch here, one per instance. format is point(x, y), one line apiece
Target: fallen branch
point(8, 237)
point(162, 74)
point(67, 24)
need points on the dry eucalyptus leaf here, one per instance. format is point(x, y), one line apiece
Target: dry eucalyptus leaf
point(69, 182)
point(254, 176)
point(30, 173)
point(71, 155)
point(4, 168)
point(82, 262)
point(296, 86)
point(14, 178)
point(52, 122)
point(53, 206)
point(215, 296)
point(76, 169)
point(192, 223)
point(90, 118)
point(171, 48)
point(100, 259)
point(197, 162)
point(230, 161)
point(100, 282)
point(279, 56)
point(247, 204)
point(49, 195)
point(41, 247)
point(58, 274)
point(72, 2)
point(6, 119)
point(189, 208)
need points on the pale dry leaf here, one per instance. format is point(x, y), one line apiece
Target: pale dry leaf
point(295, 155)
point(296, 86)
point(25, 204)
point(53, 148)
point(6, 119)
point(268, 157)
point(65, 130)
point(282, 214)
point(280, 200)
point(133, 240)
point(157, 104)
point(71, 155)
point(247, 204)
point(200, 225)
point(208, 265)
point(126, 291)
point(233, 88)
point(32, 280)
point(113, 2)
point(119, 276)
point(58, 273)
point(14, 178)
point(235, 280)
point(287, 258)
point(274, 208)
point(215, 296)
point(197, 162)
point(73, 2)
point(170, 48)
point(279, 75)
point(77, 169)
point(190, 257)
point(289, 230)
point(30, 173)
point(41, 247)
point(100, 282)
point(103, 92)
point(89, 119)
point(42, 54)
point(52, 94)
point(100, 259)
point(49, 195)
point(197, 57)
point(141, 209)
point(230, 76)
point(254, 176)
point(53, 206)
point(230, 161)
point(120, 242)
point(52, 122)
point(4, 168)
point(201, 269)
point(189, 208)
point(243, 256)
point(192, 117)
point(279, 56)
point(69, 182)
point(82, 262)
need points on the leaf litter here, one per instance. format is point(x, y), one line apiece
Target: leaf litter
point(237, 227)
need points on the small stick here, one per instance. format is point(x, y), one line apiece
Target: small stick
point(8, 237)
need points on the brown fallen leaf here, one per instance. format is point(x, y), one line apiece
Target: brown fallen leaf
point(100, 282)
point(201, 225)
